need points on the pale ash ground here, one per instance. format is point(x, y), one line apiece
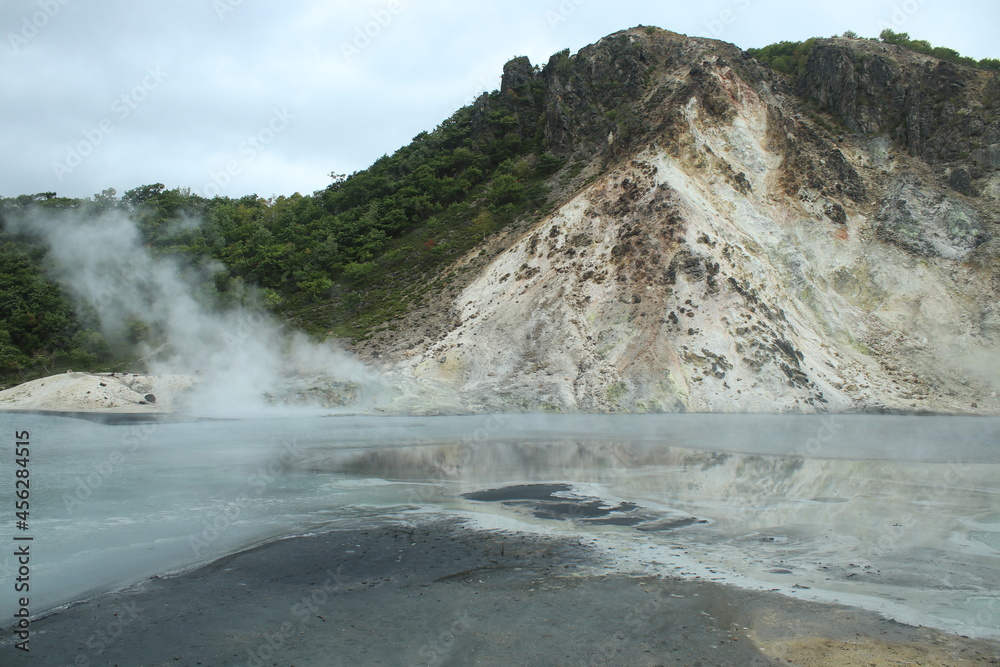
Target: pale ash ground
point(98, 392)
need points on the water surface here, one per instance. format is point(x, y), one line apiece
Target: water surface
point(899, 514)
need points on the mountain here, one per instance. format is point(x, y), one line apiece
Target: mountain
point(735, 239)
point(655, 223)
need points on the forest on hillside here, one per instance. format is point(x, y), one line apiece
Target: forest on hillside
point(340, 262)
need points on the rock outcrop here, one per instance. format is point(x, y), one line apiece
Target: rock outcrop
point(746, 242)
point(934, 109)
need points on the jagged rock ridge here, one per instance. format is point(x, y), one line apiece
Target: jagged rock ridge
point(731, 252)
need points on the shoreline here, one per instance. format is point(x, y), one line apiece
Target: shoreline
point(86, 395)
point(434, 591)
point(106, 417)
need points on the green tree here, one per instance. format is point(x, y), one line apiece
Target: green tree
point(890, 37)
point(483, 223)
point(506, 189)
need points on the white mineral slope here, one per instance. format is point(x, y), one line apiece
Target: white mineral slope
point(99, 392)
point(687, 279)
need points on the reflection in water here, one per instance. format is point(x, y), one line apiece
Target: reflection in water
point(920, 537)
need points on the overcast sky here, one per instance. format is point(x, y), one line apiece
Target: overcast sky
point(246, 96)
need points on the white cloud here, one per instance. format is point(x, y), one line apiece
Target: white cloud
point(413, 64)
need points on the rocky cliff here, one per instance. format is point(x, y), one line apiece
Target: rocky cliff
point(733, 239)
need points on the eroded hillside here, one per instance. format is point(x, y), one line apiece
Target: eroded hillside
point(734, 248)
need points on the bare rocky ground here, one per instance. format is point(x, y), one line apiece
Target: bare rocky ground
point(436, 593)
point(750, 257)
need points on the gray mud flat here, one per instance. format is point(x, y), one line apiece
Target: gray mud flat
point(559, 501)
point(438, 593)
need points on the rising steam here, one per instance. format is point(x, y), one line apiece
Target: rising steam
point(243, 358)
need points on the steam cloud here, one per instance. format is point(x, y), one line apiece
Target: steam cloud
point(238, 354)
